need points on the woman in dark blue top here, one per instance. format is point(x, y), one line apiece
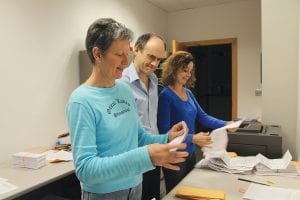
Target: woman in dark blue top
point(177, 103)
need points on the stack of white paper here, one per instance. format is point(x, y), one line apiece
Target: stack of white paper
point(220, 161)
point(282, 167)
point(29, 160)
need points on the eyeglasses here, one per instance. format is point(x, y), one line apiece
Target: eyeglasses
point(154, 58)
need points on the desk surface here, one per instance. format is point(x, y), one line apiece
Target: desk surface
point(206, 178)
point(30, 179)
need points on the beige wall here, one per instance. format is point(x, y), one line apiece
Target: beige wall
point(239, 20)
point(40, 42)
point(280, 45)
point(298, 100)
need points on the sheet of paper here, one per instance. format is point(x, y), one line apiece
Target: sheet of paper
point(258, 192)
point(219, 139)
point(58, 156)
point(6, 187)
point(181, 138)
point(232, 125)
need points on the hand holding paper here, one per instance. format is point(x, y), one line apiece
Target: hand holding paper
point(180, 138)
point(220, 139)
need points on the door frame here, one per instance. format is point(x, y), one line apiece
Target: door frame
point(233, 41)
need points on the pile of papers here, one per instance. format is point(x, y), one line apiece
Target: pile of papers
point(218, 159)
point(283, 166)
point(186, 192)
point(259, 164)
point(29, 160)
point(221, 161)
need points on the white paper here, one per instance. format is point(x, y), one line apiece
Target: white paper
point(232, 125)
point(221, 161)
point(262, 192)
point(6, 187)
point(180, 138)
point(59, 156)
point(280, 163)
point(219, 140)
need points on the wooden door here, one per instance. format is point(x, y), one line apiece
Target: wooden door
point(233, 42)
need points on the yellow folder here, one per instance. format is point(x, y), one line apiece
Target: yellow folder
point(192, 193)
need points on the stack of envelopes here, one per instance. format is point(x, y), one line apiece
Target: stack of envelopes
point(193, 193)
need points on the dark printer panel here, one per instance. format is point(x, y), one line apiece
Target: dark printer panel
point(253, 138)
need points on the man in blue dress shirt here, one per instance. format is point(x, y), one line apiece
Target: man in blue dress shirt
point(149, 51)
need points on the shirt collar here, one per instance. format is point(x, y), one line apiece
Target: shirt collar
point(133, 75)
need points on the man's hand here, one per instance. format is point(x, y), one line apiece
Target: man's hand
point(202, 139)
point(161, 155)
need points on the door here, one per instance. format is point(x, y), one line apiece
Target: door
point(213, 92)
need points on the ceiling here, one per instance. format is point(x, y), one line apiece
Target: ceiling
point(178, 5)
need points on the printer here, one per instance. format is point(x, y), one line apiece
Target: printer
point(252, 138)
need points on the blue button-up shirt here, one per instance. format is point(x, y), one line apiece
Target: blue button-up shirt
point(146, 99)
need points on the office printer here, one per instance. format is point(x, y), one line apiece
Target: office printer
point(252, 138)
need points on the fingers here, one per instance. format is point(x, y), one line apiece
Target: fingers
point(176, 146)
point(202, 139)
point(177, 127)
point(205, 133)
point(178, 133)
point(173, 167)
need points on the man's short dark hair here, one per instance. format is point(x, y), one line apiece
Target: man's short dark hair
point(143, 39)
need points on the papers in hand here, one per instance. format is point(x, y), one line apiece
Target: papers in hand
point(180, 138)
point(233, 125)
point(220, 139)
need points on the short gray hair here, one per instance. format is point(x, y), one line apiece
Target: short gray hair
point(102, 33)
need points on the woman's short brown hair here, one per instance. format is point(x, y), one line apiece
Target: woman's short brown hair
point(175, 62)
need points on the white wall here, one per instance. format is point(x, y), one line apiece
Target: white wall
point(298, 100)
point(40, 41)
point(239, 20)
point(280, 45)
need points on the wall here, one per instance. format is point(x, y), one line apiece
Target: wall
point(298, 100)
point(239, 20)
point(280, 45)
point(40, 42)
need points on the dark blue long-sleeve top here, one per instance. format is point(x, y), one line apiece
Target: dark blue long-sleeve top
point(172, 109)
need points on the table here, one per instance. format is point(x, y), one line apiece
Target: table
point(29, 180)
point(229, 183)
